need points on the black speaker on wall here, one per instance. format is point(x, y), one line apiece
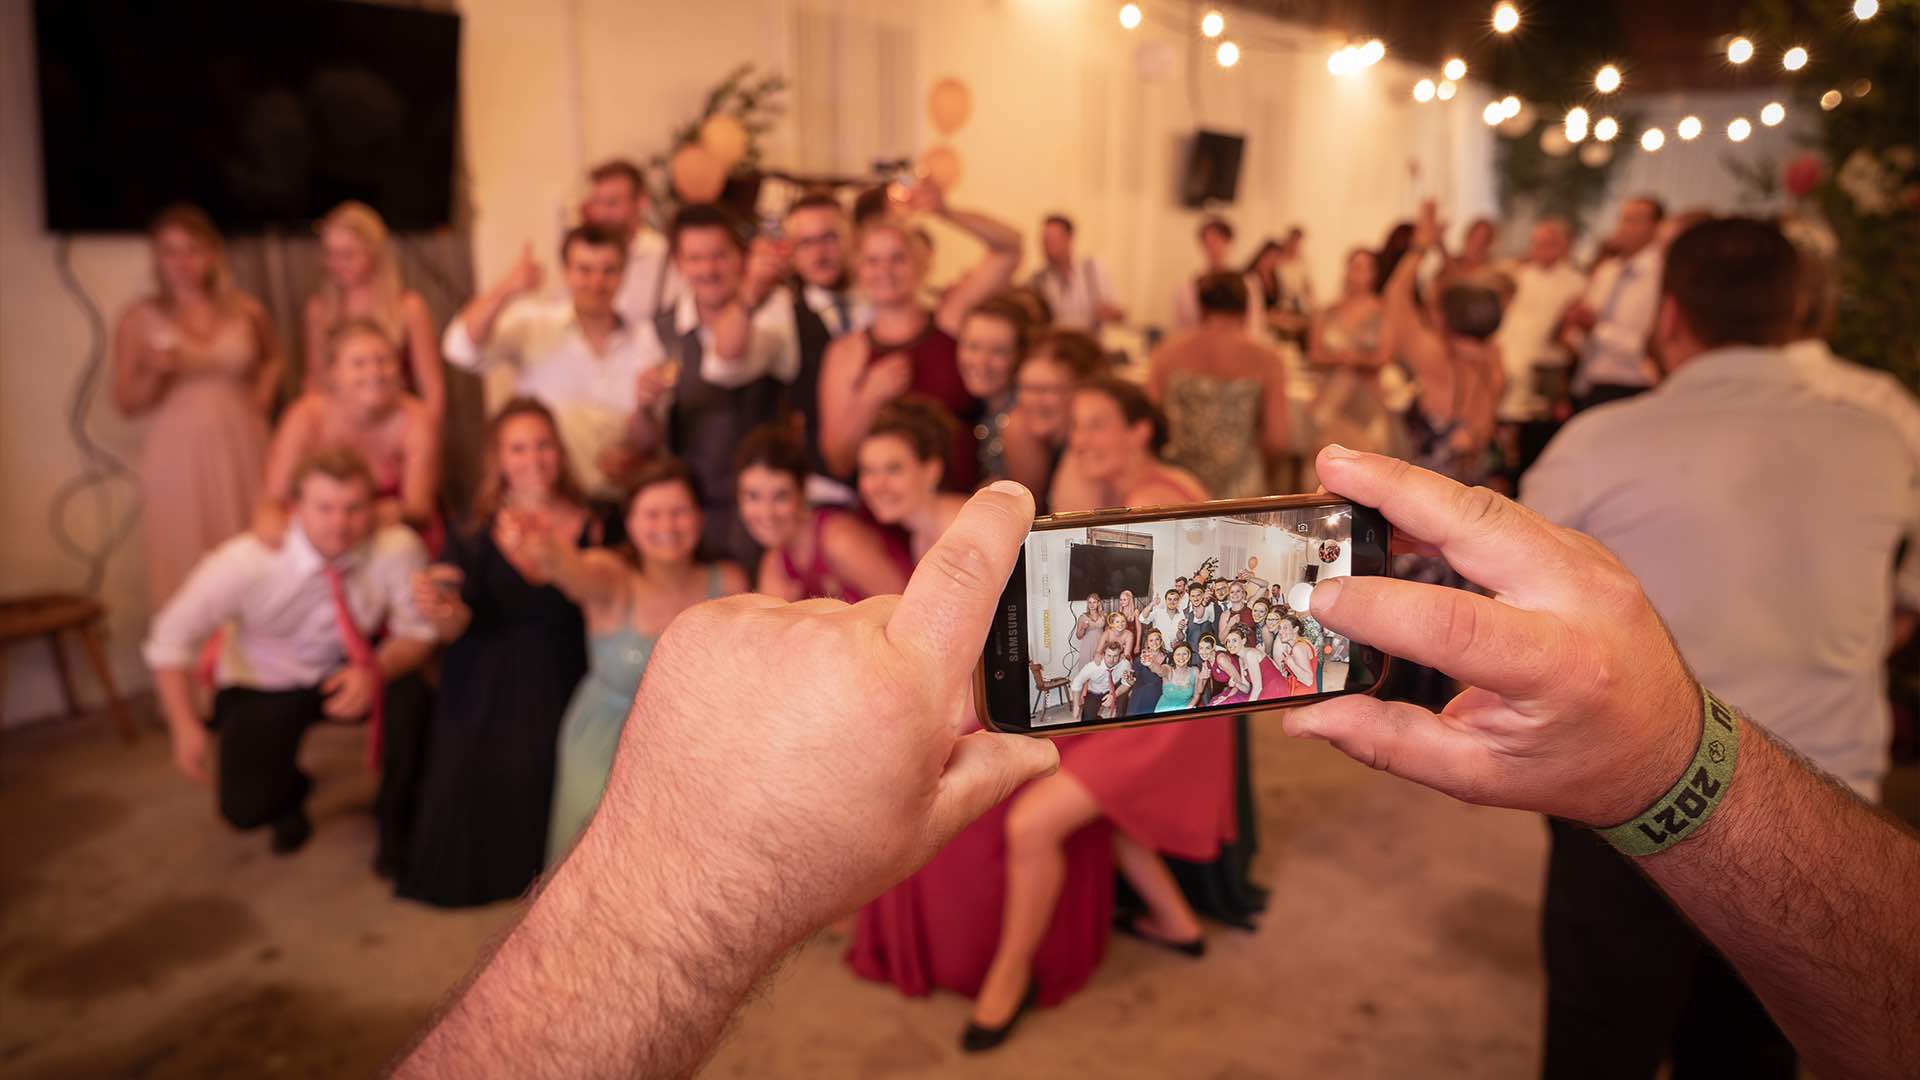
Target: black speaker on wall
point(1213, 169)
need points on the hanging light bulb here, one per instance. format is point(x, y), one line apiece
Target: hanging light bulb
point(1455, 69)
point(1505, 18)
point(1830, 100)
point(1373, 52)
point(1688, 128)
point(1607, 79)
point(1739, 51)
point(1423, 91)
point(1794, 59)
point(1129, 16)
point(1739, 129)
point(1509, 107)
point(1212, 23)
point(1865, 9)
point(1341, 61)
point(1606, 128)
point(1492, 114)
point(1446, 90)
point(1652, 139)
point(1773, 114)
point(1228, 54)
point(1576, 124)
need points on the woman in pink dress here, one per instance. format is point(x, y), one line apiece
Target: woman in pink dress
point(1230, 672)
point(810, 551)
point(1295, 657)
point(362, 281)
point(1164, 790)
point(908, 347)
point(198, 359)
point(1265, 679)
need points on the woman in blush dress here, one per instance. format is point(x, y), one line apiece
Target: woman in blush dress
point(198, 359)
point(516, 650)
point(363, 405)
point(1119, 777)
point(629, 599)
point(1225, 396)
point(362, 281)
point(810, 551)
point(1347, 346)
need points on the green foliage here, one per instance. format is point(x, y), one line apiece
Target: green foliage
point(753, 99)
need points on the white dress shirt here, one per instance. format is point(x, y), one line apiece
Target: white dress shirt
point(1625, 295)
point(1540, 296)
point(650, 282)
point(283, 632)
point(1761, 519)
point(1171, 624)
point(859, 313)
point(1095, 675)
point(592, 395)
point(772, 345)
point(1075, 300)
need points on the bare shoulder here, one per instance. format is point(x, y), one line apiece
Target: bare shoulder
point(732, 578)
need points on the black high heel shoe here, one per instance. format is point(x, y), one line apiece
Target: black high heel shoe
point(977, 1038)
point(1196, 948)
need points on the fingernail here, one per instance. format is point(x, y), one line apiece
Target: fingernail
point(1338, 453)
point(1325, 595)
point(1010, 487)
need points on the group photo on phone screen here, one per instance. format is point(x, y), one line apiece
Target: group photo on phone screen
point(1136, 620)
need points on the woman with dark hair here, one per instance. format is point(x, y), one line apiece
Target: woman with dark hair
point(1118, 433)
point(629, 598)
point(1293, 655)
point(197, 358)
point(1347, 347)
point(515, 652)
point(361, 280)
point(1057, 362)
point(902, 461)
point(993, 342)
point(809, 551)
point(1225, 396)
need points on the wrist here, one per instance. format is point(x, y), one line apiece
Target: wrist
point(1680, 810)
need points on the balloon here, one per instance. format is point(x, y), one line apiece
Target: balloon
point(942, 166)
point(1803, 174)
point(1595, 154)
point(725, 138)
point(697, 175)
point(1553, 141)
point(1299, 596)
point(949, 105)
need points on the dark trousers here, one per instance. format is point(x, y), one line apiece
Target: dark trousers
point(260, 778)
point(1601, 393)
point(1630, 982)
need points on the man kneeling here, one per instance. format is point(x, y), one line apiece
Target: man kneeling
point(298, 619)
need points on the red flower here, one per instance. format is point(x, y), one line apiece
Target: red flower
point(1803, 174)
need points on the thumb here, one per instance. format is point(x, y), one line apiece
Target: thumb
point(985, 767)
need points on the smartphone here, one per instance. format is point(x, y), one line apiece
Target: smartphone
point(1217, 595)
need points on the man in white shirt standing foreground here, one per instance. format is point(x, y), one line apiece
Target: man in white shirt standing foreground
point(1608, 328)
point(300, 621)
point(1761, 517)
point(1078, 290)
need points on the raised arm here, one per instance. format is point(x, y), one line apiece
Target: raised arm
point(852, 390)
point(860, 557)
point(423, 355)
point(988, 276)
point(471, 332)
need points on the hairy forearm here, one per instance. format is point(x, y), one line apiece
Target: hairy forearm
point(1809, 892)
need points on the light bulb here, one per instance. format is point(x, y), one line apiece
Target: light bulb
point(1212, 23)
point(1423, 91)
point(1606, 128)
point(1228, 54)
point(1739, 51)
point(1455, 69)
point(1794, 59)
point(1773, 114)
point(1341, 61)
point(1688, 128)
point(1373, 51)
point(1652, 139)
point(1830, 100)
point(1129, 16)
point(1505, 18)
point(1509, 107)
point(1446, 90)
point(1739, 129)
point(1576, 124)
point(1607, 79)
point(1492, 114)
point(1865, 9)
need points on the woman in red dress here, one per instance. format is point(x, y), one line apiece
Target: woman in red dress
point(1165, 790)
point(809, 551)
point(908, 347)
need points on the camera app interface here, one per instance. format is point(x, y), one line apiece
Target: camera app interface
point(1174, 616)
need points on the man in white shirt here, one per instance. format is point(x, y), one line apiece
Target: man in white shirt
point(617, 201)
point(1761, 517)
point(1545, 286)
point(1078, 290)
point(714, 370)
point(574, 353)
point(1100, 686)
point(1166, 617)
point(297, 651)
point(1608, 328)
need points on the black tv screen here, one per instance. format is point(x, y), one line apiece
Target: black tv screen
point(262, 112)
point(1213, 169)
point(1104, 569)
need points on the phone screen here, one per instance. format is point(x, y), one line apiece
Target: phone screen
point(1150, 620)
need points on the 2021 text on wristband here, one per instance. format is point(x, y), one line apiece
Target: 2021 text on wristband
point(1685, 807)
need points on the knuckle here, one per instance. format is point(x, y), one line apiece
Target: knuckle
point(962, 563)
point(1479, 507)
point(1455, 623)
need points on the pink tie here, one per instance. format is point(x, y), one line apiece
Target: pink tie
point(360, 654)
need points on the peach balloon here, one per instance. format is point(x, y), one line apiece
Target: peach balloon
point(725, 138)
point(949, 105)
point(942, 166)
point(697, 175)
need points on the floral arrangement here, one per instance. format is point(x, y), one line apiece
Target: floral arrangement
point(719, 149)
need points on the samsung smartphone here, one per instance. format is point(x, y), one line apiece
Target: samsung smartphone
point(1116, 618)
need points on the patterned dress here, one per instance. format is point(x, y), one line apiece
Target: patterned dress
point(1214, 433)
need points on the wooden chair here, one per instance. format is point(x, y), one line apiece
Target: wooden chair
point(1044, 687)
point(48, 614)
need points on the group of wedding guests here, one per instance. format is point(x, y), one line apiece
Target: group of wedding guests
point(1206, 641)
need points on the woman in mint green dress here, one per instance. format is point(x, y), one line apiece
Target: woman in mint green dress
point(629, 598)
point(1182, 679)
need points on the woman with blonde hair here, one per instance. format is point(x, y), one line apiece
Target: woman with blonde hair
point(361, 279)
point(199, 359)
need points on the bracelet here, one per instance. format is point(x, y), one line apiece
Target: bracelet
point(1677, 815)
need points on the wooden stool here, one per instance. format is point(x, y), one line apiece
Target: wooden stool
point(48, 614)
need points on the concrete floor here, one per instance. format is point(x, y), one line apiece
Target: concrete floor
point(140, 937)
